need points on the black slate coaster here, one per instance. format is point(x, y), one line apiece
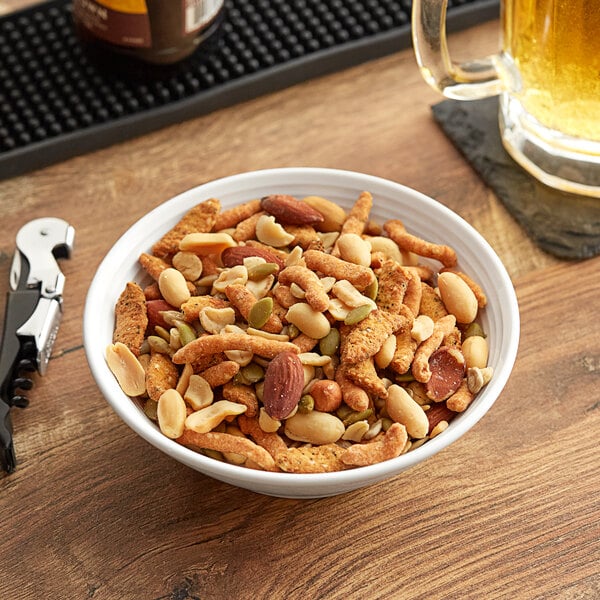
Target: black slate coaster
point(565, 225)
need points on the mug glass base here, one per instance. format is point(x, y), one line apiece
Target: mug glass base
point(557, 160)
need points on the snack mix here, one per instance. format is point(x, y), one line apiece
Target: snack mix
point(291, 335)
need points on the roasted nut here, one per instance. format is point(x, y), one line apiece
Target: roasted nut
point(188, 264)
point(269, 232)
point(357, 431)
point(171, 413)
point(457, 296)
point(206, 243)
point(233, 276)
point(327, 395)
point(385, 355)
point(235, 256)
point(314, 427)
point(173, 287)
point(477, 378)
point(267, 423)
point(206, 419)
point(350, 296)
point(387, 247)
point(403, 409)
point(308, 320)
point(333, 214)
point(126, 368)
point(198, 393)
point(214, 320)
point(290, 211)
point(422, 328)
point(354, 249)
point(476, 351)
point(447, 366)
point(283, 385)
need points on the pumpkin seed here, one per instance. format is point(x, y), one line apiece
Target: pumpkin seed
point(213, 454)
point(258, 272)
point(253, 373)
point(372, 289)
point(354, 417)
point(306, 404)
point(292, 331)
point(150, 409)
point(162, 332)
point(474, 329)
point(158, 344)
point(260, 312)
point(405, 377)
point(330, 343)
point(386, 423)
point(356, 315)
point(187, 333)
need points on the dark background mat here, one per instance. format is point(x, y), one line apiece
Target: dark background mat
point(565, 225)
point(56, 103)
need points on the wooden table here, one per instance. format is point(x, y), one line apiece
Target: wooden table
point(509, 511)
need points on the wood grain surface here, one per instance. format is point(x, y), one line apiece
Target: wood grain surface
point(510, 510)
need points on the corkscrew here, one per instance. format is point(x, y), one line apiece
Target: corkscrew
point(33, 314)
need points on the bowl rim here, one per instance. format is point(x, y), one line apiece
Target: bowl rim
point(130, 412)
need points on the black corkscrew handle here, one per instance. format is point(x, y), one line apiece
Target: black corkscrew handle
point(16, 356)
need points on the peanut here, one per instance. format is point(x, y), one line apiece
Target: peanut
point(386, 353)
point(198, 393)
point(206, 243)
point(188, 264)
point(237, 275)
point(350, 296)
point(387, 247)
point(314, 427)
point(475, 350)
point(356, 431)
point(269, 232)
point(214, 320)
point(206, 419)
point(267, 423)
point(333, 214)
point(458, 297)
point(422, 328)
point(126, 368)
point(354, 249)
point(308, 320)
point(171, 413)
point(173, 287)
point(403, 409)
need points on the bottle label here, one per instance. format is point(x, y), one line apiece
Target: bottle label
point(121, 22)
point(198, 13)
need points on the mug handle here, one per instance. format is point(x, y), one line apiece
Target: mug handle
point(465, 81)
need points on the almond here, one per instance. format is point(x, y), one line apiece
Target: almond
point(154, 308)
point(235, 256)
point(439, 412)
point(288, 210)
point(283, 384)
point(447, 365)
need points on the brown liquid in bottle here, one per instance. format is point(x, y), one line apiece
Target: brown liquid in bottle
point(156, 32)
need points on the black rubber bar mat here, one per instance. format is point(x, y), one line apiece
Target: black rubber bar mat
point(562, 224)
point(56, 103)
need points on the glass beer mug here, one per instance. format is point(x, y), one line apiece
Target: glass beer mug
point(548, 78)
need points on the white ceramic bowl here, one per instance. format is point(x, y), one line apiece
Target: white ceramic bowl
point(421, 215)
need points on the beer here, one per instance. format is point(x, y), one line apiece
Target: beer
point(555, 48)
